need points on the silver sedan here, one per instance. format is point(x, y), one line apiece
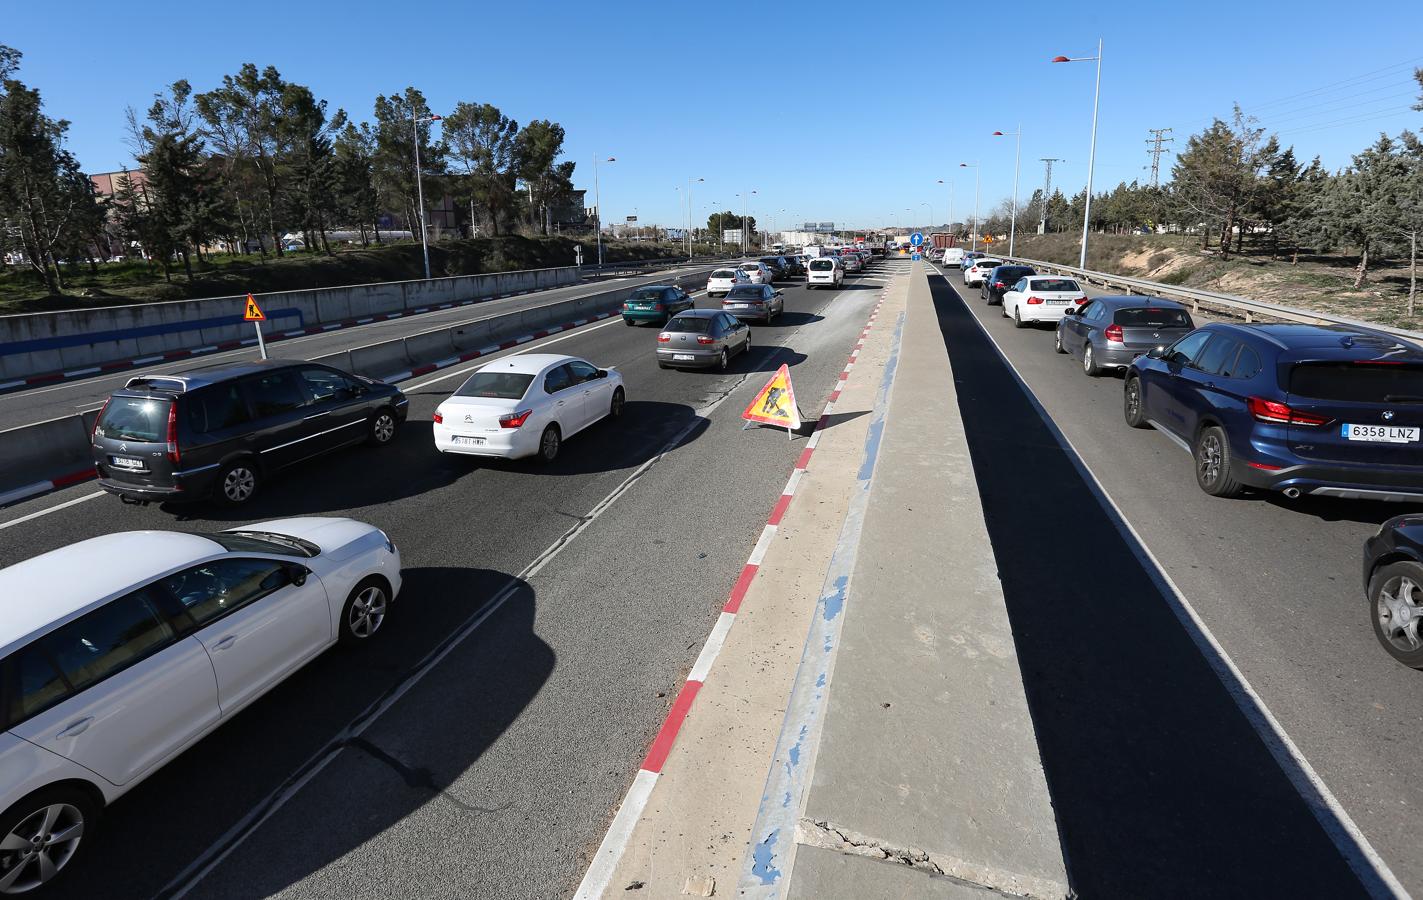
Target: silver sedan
point(700, 339)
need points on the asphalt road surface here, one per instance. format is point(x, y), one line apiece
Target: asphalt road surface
point(68, 397)
point(1276, 581)
point(479, 747)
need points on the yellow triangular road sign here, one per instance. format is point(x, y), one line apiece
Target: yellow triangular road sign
point(254, 312)
point(775, 403)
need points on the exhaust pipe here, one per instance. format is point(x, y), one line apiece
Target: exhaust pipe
point(1292, 493)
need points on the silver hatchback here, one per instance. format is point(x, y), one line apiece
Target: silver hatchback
point(1110, 332)
point(701, 339)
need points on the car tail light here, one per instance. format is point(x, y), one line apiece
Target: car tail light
point(999, 284)
point(1114, 334)
point(1264, 467)
point(1271, 411)
point(439, 418)
point(627, 304)
point(703, 339)
point(173, 455)
point(1035, 301)
point(1080, 300)
point(95, 430)
point(664, 338)
point(515, 420)
point(659, 306)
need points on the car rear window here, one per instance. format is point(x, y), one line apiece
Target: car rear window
point(821, 265)
point(1054, 284)
point(745, 293)
point(134, 419)
point(1358, 382)
point(1013, 273)
point(498, 385)
point(690, 324)
point(1150, 317)
point(724, 273)
point(647, 294)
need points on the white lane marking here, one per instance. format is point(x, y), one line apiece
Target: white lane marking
point(763, 543)
point(44, 512)
point(600, 872)
point(1325, 807)
point(702, 667)
point(485, 358)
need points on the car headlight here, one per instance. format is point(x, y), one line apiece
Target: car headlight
point(389, 544)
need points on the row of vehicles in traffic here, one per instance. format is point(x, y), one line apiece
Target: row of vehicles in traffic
point(1303, 410)
point(119, 652)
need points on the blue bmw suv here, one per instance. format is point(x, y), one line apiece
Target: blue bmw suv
point(1303, 409)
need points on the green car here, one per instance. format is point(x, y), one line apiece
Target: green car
point(656, 303)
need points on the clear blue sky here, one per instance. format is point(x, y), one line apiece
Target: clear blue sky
point(667, 88)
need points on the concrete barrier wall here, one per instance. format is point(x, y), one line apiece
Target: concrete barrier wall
point(39, 343)
point(60, 447)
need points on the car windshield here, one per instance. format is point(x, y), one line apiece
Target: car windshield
point(264, 542)
point(499, 385)
point(134, 419)
point(1358, 382)
point(647, 294)
point(1152, 317)
point(1055, 284)
point(690, 324)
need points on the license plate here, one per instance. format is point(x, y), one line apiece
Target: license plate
point(462, 441)
point(1056, 302)
point(737, 305)
point(1387, 434)
point(682, 357)
point(123, 462)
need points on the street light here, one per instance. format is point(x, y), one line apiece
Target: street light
point(745, 217)
point(1017, 155)
point(688, 235)
point(1092, 154)
point(931, 213)
point(598, 208)
point(976, 173)
point(950, 185)
point(420, 186)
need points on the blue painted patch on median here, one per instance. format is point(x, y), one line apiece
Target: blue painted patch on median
point(762, 867)
point(128, 334)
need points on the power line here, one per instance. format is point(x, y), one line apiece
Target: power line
point(1156, 140)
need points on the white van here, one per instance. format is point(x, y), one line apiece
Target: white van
point(952, 256)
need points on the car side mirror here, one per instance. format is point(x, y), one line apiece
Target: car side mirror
point(1156, 353)
point(297, 574)
point(602, 373)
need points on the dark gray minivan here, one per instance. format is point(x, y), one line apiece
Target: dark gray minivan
point(218, 431)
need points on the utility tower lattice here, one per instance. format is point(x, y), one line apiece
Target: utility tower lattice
point(1047, 192)
point(1156, 140)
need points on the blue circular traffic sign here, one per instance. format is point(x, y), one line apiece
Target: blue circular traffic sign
point(916, 239)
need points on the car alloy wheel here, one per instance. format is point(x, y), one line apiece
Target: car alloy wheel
point(239, 483)
point(550, 443)
point(1212, 456)
point(1089, 363)
point(1131, 403)
point(365, 613)
point(1209, 458)
point(615, 411)
point(721, 361)
point(1057, 342)
point(382, 428)
point(1399, 613)
point(38, 847)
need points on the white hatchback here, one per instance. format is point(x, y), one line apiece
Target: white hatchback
point(527, 405)
point(1041, 298)
point(723, 280)
point(974, 274)
point(121, 651)
point(824, 271)
point(758, 272)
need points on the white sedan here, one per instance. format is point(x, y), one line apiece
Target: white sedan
point(527, 405)
point(976, 273)
point(122, 651)
point(1041, 298)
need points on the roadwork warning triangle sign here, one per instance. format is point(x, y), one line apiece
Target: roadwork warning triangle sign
point(775, 403)
point(254, 312)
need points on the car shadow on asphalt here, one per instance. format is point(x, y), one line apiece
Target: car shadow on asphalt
point(1160, 784)
point(271, 746)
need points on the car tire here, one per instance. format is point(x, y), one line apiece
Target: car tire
point(550, 442)
point(723, 360)
point(1057, 342)
point(1392, 636)
point(237, 482)
point(662, 365)
point(365, 611)
point(1018, 318)
point(73, 808)
point(1133, 405)
point(615, 408)
point(628, 322)
point(382, 428)
point(1089, 363)
point(1212, 456)
point(746, 344)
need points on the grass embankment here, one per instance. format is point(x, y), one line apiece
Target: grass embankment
point(139, 282)
point(1320, 282)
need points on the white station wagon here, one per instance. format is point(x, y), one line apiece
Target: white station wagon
point(119, 652)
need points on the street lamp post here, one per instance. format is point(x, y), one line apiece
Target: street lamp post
point(1092, 154)
point(598, 208)
point(689, 216)
point(931, 213)
point(976, 182)
point(1017, 155)
point(420, 186)
point(745, 217)
point(950, 185)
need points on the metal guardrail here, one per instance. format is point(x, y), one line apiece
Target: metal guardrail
point(1227, 304)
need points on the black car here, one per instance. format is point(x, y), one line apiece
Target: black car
point(219, 431)
point(795, 265)
point(777, 265)
point(1002, 279)
point(1393, 586)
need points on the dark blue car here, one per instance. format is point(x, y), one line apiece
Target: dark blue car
point(1303, 409)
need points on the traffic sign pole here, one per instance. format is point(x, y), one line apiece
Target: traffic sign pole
point(261, 344)
point(255, 315)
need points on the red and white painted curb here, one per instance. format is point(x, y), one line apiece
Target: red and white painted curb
point(600, 872)
point(15, 495)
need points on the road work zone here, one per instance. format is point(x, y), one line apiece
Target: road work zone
point(864, 731)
